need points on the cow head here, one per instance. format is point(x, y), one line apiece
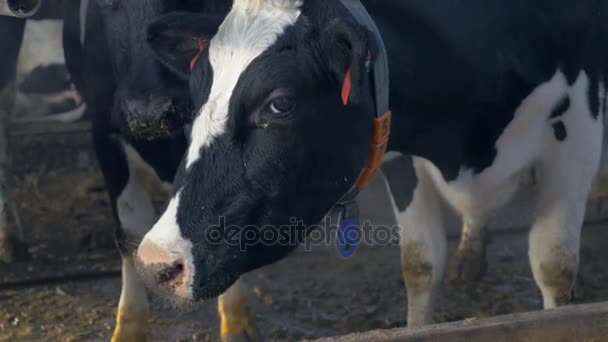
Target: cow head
point(150, 101)
point(280, 134)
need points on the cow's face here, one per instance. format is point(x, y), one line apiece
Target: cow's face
point(150, 100)
point(272, 147)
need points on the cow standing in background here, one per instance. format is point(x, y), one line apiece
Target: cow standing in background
point(135, 105)
point(13, 29)
point(138, 109)
point(481, 92)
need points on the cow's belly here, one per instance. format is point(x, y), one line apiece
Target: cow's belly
point(529, 136)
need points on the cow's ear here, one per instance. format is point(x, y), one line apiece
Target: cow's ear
point(179, 38)
point(346, 49)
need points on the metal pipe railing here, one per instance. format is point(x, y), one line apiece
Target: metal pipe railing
point(19, 8)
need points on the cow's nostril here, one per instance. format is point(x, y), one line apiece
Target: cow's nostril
point(171, 272)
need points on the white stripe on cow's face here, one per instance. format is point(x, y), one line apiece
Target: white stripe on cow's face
point(166, 232)
point(248, 30)
point(167, 236)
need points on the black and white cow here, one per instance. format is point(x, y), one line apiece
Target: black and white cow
point(480, 93)
point(136, 106)
point(122, 84)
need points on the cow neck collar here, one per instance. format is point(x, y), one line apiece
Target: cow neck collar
point(345, 211)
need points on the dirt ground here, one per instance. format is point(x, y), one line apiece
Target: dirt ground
point(69, 288)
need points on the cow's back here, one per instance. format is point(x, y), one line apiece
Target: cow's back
point(481, 59)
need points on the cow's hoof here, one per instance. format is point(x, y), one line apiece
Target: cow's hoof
point(13, 249)
point(240, 330)
point(131, 327)
point(469, 266)
point(130, 333)
point(243, 336)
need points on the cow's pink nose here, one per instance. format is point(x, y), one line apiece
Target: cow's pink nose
point(167, 267)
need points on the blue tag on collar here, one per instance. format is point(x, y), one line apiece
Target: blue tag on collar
point(348, 233)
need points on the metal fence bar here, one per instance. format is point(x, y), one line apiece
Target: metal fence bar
point(47, 128)
point(583, 322)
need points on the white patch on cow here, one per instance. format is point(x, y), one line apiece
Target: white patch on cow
point(133, 308)
point(566, 169)
point(390, 156)
point(134, 205)
point(423, 245)
point(248, 30)
point(518, 148)
point(42, 45)
point(167, 236)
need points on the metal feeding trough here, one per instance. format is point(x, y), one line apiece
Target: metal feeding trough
point(583, 322)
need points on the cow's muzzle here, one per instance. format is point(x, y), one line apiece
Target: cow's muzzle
point(149, 119)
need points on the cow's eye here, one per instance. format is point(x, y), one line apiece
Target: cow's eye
point(282, 104)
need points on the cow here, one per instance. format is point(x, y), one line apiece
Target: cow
point(13, 21)
point(137, 109)
point(122, 85)
point(480, 93)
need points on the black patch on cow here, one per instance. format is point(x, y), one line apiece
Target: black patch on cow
point(483, 130)
point(115, 63)
point(12, 35)
point(594, 98)
point(559, 130)
point(561, 107)
point(401, 180)
point(46, 79)
point(571, 71)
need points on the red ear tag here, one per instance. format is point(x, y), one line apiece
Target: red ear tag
point(346, 87)
point(347, 84)
point(202, 44)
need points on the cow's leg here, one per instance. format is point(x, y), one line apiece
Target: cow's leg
point(423, 246)
point(135, 214)
point(133, 311)
point(237, 323)
point(12, 35)
point(470, 263)
point(567, 169)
